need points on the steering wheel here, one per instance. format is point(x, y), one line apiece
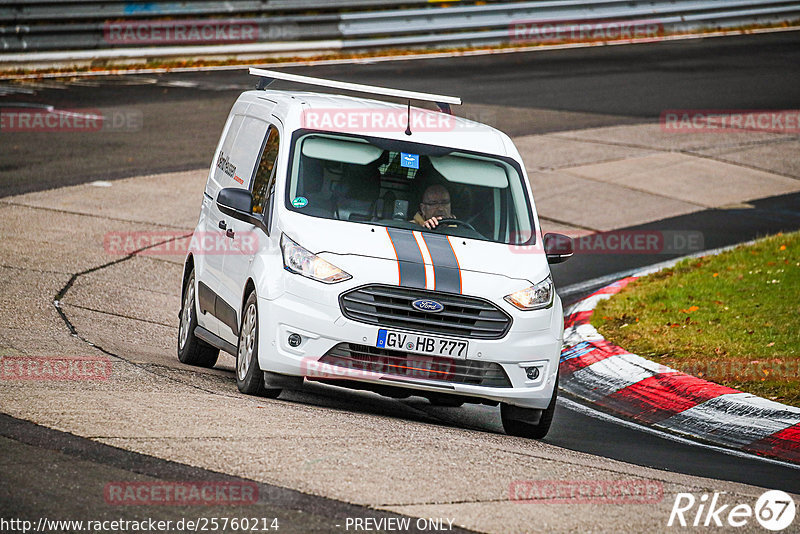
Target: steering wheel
point(457, 222)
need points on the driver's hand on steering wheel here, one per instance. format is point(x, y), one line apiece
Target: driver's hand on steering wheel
point(432, 223)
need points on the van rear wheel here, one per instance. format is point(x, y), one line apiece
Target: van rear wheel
point(249, 377)
point(192, 350)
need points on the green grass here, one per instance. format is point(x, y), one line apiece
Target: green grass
point(733, 318)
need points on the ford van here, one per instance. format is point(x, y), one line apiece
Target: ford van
point(374, 245)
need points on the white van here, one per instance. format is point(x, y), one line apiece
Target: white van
point(373, 245)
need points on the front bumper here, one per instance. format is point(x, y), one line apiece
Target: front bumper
point(321, 326)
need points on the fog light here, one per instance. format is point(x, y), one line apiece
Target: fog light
point(295, 339)
point(532, 372)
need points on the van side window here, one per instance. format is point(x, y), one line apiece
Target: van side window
point(264, 181)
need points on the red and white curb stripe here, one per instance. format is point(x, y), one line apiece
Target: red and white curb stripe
point(610, 377)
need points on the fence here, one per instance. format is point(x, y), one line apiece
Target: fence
point(86, 29)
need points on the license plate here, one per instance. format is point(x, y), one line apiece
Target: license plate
point(421, 344)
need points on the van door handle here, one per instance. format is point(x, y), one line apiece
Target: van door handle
point(223, 225)
point(230, 233)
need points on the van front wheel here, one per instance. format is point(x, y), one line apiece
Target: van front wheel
point(249, 378)
point(528, 422)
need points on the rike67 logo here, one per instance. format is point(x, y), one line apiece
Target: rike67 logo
point(774, 510)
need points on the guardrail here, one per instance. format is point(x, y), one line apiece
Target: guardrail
point(91, 29)
point(27, 11)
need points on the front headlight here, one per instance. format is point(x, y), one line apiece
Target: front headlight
point(298, 260)
point(535, 297)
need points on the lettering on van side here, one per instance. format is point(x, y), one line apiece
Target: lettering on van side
point(224, 163)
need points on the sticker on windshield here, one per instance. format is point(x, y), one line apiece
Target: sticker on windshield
point(409, 160)
point(300, 202)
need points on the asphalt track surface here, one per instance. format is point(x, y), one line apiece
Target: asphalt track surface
point(182, 116)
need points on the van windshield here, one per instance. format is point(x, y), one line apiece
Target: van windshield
point(402, 185)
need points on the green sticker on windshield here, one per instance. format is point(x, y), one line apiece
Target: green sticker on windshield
point(300, 202)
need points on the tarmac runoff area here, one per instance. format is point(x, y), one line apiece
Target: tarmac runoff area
point(592, 180)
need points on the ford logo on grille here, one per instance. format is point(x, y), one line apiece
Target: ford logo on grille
point(427, 305)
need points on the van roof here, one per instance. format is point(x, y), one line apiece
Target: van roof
point(460, 133)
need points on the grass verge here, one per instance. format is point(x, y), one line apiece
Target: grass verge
point(733, 318)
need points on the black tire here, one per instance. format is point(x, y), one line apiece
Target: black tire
point(192, 350)
point(249, 377)
point(516, 419)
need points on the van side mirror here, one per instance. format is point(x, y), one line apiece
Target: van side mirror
point(233, 199)
point(238, 203)
point(557, 247)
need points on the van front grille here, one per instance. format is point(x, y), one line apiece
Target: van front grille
point(390, 306)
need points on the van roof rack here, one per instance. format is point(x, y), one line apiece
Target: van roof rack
point(269, 76)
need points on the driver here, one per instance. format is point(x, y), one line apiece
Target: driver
point(434, 207)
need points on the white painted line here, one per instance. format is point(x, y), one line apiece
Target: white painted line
point(582, 332)
point(587, 304)
point(741, 418)
point(646, 365)
point(595, 414)
point(594, 283)
point(617, 372)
